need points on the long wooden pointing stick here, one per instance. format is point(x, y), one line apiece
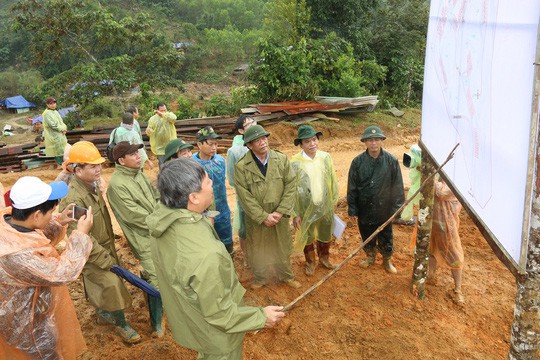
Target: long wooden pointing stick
point(379, 229)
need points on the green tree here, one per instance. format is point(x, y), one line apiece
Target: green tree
point(88, 45)
point(287, 21)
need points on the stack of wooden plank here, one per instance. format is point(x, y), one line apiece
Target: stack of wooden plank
point(304, 111)
point(11, 157)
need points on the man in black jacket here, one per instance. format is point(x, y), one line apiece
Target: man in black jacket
point(374, 193)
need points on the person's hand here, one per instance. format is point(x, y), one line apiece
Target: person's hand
point(149, 131)
point(65, 217)
point(64, 132)
point(277, 216)
point(273, 315)
point(297, 221)
point(86, 222)
point(160, 113)
point(270, 220)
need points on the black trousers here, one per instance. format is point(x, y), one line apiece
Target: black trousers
point(384, 240)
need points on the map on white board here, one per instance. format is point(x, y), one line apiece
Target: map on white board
point(478, 91)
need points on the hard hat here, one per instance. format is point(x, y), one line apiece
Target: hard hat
point(85, 152)
point(373, 132)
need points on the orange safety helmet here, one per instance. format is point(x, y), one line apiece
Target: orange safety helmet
point(85, 152)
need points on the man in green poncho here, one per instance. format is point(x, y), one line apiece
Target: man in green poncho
point(201, 293)
point(265, 184)
point(161, 130)
point(316, 198)
point(104, 290)
point(374, 193)
point(54, 132)
point(132, 198)
point(128, 132)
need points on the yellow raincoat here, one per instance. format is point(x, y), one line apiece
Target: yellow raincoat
point(161, 131)
point(316, 197)
point(53, 127)
point(38, 319)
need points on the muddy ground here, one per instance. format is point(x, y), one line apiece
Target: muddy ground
point(359, 313)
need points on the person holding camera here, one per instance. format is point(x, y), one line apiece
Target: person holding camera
point(38, 317)
point(105, 290)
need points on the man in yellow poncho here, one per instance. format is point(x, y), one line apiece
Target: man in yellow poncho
point(161, 131)
point(54, 132)
point(316, 198)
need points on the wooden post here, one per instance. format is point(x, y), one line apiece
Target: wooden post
point(425, 214)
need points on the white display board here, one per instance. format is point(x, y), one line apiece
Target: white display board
point(478, 91)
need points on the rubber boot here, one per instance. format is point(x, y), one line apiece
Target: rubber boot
point(155, 308)
point(126, 332)
point(309, 253)
point(387, 263)
point(324, 252)
point(370, 260)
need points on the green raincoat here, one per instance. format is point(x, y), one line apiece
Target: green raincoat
point(416, 177)
point(104, 289)
point(162, 131)
point(201, 294)
point(316, 197)
point(53, 127)
point(129, 133)
point(261, 195)
point(132, 198)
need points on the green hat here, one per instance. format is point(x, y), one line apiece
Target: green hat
point(372, 132)
point(174, 146)
point(254, 132)
point(306, 132)
point(207, 133)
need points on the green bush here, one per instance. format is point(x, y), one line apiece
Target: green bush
point(186, 108)
point(72, 120)
point(219, 105)
point(100, 107)
point(25, 83)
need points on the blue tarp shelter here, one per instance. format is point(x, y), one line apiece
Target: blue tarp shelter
point(63, 112)
point(16, 102)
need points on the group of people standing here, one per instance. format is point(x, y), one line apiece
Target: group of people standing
point(181, 231)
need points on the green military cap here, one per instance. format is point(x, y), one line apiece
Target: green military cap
point(174, 146)
point(207, 133)
point(372, 132)
point(254, 132)
point(306, 132)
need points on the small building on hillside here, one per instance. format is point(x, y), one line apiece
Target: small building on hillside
point(16, 104)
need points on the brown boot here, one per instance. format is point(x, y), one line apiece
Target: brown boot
point(388, 266)
point(324, 252)
point(309, 253)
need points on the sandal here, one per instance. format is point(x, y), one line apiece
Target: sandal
point(127, 334)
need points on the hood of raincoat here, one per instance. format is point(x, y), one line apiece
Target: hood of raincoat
point(413, 158)
point(161, 219)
